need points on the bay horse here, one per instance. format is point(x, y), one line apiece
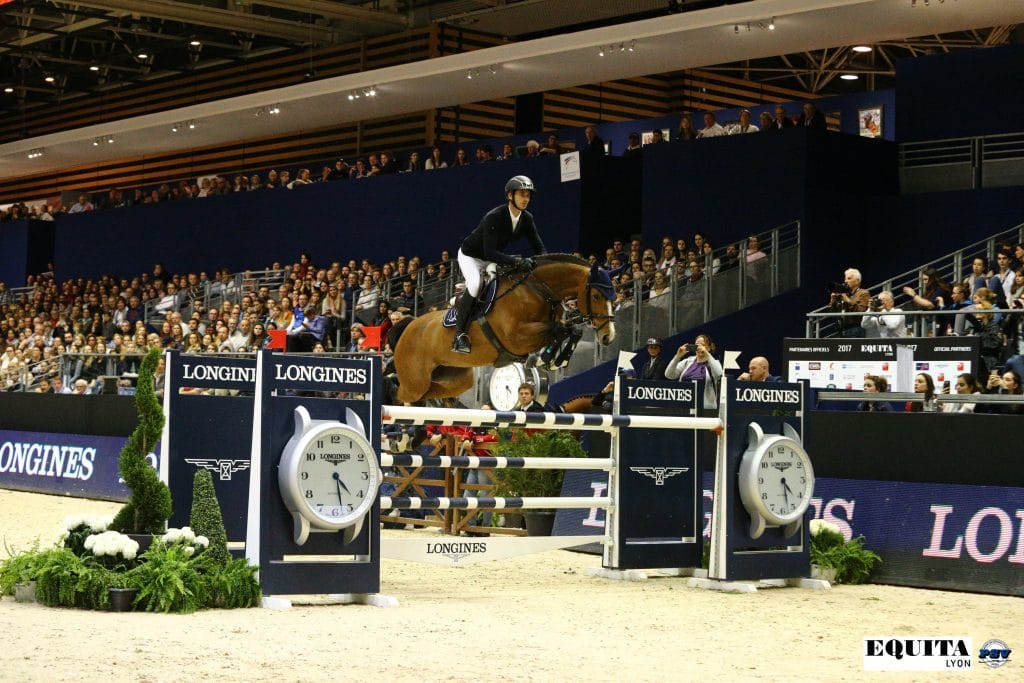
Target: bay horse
point(526, 308)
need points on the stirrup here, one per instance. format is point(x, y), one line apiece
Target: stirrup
point(461, 344)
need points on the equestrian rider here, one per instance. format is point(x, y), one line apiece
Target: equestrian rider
point(486, 245)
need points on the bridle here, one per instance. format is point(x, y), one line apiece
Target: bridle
point(598, 321)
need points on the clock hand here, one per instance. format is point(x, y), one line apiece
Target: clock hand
point(785, 490)
point(786, 485)
point(341, 485)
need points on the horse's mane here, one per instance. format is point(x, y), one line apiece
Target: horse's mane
point(561, 258)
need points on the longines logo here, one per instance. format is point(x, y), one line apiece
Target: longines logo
point(335, 458)
point(219, 373)
point(456, 551)
point(317, 373)
point(749, 395)
point(659, 394)
point(224, 468)
point(659, 474)
point(782, 466)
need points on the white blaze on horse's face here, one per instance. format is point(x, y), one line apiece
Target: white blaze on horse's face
point(609, 332)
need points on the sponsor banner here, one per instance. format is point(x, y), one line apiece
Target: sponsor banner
point(838, 363)
point(301, 372)
point(80, 465)
point(950, 536)
point(214, 372)
point(457, 551)
point(675, 396)
point(917, 653)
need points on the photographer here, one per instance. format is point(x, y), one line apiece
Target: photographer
point(848, 297)
point(701, 366)
point(884, 320)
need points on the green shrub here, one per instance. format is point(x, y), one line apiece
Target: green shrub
point(206, 518)
point(232, 585)
point(19, 567)
point(545, 444)
point(147, 510)
point(57, 577)
point(850, 559)
point(167, 579)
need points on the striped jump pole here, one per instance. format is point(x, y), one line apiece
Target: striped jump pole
point(511, 502)
point(476, 462)
point(496, 419)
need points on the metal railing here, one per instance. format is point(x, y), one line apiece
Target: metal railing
point(211, 294)
point(908, 397)
point(962, 163)
point(953, 268)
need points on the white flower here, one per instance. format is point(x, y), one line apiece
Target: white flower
point(189, 550)
point(819, 525)
point(202, 541)
point(111, 543)
point(172, 536)
point(188, 534)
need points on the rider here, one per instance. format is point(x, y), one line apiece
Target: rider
point(486, 245)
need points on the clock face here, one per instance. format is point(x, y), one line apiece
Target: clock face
point(504, 386)
point(336, 474)
point(784, 480)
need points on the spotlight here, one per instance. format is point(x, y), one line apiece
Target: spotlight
point(8, 89)
point(771, 24)
point(622, 47)
point(49, 79)
point(632, 46)
point(191, 125)
point(849, 77)
point(861, 48)
point(94, 68)
point(273, 110)
point(373, 91)
point(95, 142)
point(351, 97)
point(195, 43)
point(143, 55)
point(35, 153)
point(175, 127)
point(469, 74)
point(110, 139)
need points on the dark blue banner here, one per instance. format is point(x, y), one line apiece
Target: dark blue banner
point(78, 465)
point(928, 535)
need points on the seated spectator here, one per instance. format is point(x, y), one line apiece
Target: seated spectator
point(712, 128)
point(303, 178)
point(388, 164)
point(272, 181)
point(553, 147)
point(414, 163)
point(366, 301)
point(508, 152)
point(435, 160)
point(884, 319)
point(744, 126)
point(923, 384)
point(810, 117)
point(875, 384)
point(757, 371)
point(767, 125)
point(527, 400)
point(484, 153)
point(82, 205)
point(668, 257)
point(1005, 384)
point(306, 330)
point(460, 158)
point(966, 383)
point(284, 179)
point(341, 171)
point(408, 300)
point(532, 148)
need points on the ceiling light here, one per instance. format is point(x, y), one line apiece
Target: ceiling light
point(351, 97)
point(849, 77)
point(94, 68)
point(49, 79)
point(143, 55)
point(195, 43)
point(274, 110)
point(373, 90)
point(175, 127)
point(95, 142)
point(35, 153)
point(469, 74)
point(771, 24)
point(632, 46)
point(8, 89)
point(600, 51)
point(110, 139)
point(861, 48)
point(191, 125)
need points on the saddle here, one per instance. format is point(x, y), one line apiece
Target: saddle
point(483, 306)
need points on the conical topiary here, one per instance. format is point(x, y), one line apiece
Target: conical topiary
point(147, 510)
point(206, 518)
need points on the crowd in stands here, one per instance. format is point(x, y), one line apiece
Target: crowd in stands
point(387, 163)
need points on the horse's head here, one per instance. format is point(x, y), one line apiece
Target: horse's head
point(595, 302)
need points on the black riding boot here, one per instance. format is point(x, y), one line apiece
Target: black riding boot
point(463, 309)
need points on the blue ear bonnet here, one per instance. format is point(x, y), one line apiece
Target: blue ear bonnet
point(602, 282)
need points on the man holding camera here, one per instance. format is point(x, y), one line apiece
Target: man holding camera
point(848, 297)
point(884, 320)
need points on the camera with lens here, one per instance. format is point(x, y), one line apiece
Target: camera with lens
point(875, 304)
point(839, 288)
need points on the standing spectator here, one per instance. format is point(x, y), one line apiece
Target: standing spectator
point(594, 146)
point(782, 120)
point(712, 128)
point(850, 299)
point(634, 150)
point(701, 366)
point(744, 126)
point(655, 367)
point(686, 129)
point(811, 117)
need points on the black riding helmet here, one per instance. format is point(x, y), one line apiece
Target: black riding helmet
point(519, 182)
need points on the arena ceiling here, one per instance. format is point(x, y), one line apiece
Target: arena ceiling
point(53, 51)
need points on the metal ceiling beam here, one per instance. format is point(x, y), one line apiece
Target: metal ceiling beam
point(390, 21)
point(217, 18)
point(53, 33)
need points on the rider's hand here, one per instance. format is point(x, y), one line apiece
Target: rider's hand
point(527, 263)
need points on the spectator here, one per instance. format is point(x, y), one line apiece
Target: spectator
point(303, 178)
point(484, 153)
point(701, 366)
point(657, 137)
point(875, 384)
point(757, 371)
point(712, 128)
point(508, 152)
point(527, 400)
point(360, 170)
point(811, 117)
point(408, 300)
point(654, 367)
point(850, 299)
point(782, 120)
point(553, 147)
point(306, 330)
point(766, 123)
point(341, 171)
point(923, 384)
point(82, 205)
point(81, 387)
point(985, 327)
point(388, 164)
point(686, 129)
point(460, 158)
point(634, 150)
point(887, 320)
point(744, 126)
point(355, 338)
point(532, 148)
point(965, 384)
point(935, 291)
point(366, 302)
point(594, 146)
point(1002, 281)
point(1007, 383)
point(979, 274)
point(414, 163)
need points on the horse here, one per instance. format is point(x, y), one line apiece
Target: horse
point(526, 310)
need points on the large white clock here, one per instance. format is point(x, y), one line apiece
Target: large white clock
point(503, 389)
point(776, 480)
point(328, 475)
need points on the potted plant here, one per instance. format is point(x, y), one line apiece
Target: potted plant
point(832, 555)
point(18, 573)
point(149, 506)
point(529, 483)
